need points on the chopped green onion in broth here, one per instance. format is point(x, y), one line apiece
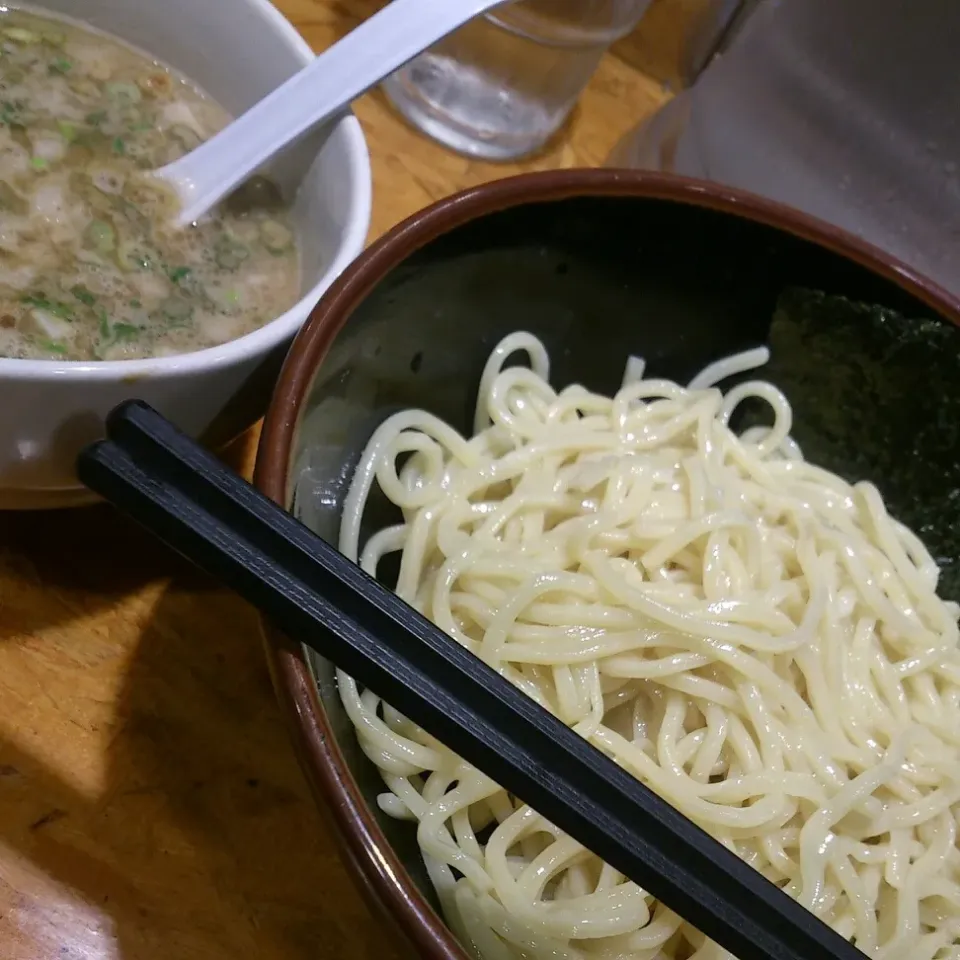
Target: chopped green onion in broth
point(93, 265)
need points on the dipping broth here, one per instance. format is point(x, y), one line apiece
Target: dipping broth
point(92, 263)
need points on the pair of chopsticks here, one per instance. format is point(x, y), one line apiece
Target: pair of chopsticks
point(185, 496)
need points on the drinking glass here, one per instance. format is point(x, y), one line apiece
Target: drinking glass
point(501, 86)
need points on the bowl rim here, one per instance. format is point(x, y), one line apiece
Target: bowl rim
point(262, 340)
point(370, 855)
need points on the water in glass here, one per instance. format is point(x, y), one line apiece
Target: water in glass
point(499, 87)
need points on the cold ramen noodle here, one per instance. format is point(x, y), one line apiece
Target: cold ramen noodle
point(750, 635)
point(92, 264)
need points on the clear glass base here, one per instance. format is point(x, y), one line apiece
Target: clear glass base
point(487, 123)
point(499, 89)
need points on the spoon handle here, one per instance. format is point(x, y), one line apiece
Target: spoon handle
point(379, 46)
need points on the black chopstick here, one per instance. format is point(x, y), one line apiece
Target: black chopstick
point(198, 506)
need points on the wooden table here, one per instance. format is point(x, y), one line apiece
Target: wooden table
point(150, 805)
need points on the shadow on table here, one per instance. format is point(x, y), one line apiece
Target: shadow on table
point(62, 565)
point(203, 841)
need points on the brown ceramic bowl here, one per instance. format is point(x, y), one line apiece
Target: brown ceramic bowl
point(600, 264)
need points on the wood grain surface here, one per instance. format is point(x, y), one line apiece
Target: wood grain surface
point(150, 805)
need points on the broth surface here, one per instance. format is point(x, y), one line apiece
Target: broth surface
point(92, 263)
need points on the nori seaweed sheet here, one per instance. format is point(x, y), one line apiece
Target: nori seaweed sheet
point(876, 396)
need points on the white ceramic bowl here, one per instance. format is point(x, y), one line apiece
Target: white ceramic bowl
point(238, 51)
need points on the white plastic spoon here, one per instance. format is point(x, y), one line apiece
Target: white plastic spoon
point(379, 46)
